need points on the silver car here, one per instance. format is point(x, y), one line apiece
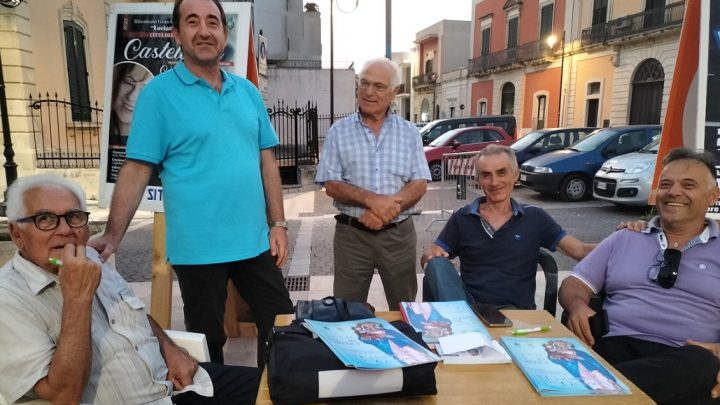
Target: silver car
point(627, 179)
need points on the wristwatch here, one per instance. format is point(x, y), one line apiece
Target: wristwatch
point(282, 224)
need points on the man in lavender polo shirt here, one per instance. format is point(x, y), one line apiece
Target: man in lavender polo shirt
point(663, 290)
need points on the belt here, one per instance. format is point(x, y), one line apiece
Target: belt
point(355, 223)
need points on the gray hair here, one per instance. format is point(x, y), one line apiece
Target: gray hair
point(702, 157)
point(393, 67)
point(16, 208)
point(495, 149)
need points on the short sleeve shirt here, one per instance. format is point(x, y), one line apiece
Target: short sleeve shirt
point(127, 367)
point(500, 269)
point(384, 165)
point(637, 306)
point(207, 147)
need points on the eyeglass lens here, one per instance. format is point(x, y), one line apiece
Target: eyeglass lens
point(669, 268)
point(74, 219)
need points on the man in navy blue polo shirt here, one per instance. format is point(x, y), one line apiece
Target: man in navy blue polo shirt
point(498, 241)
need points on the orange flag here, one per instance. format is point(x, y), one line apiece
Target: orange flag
point(679, 108)
point(252, 72)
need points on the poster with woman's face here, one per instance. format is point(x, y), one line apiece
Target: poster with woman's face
point(712, 107)
point(142, 47)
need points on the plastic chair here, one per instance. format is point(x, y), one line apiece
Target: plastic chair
point(549, 267)
point(194, 343)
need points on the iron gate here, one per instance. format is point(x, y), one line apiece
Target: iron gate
point(60, 141)
point(297, 129)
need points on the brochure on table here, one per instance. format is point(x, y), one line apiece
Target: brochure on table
point(562, 367)
point(371, 343)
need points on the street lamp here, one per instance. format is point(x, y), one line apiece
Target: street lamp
point(551, 41)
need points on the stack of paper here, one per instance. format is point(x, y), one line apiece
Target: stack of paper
point(457, 334)
point(471, 348)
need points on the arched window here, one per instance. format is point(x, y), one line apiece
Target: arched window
point(647, 91)
point(507, 103)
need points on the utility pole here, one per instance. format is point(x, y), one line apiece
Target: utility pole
point(388, 29)
point(332, 68)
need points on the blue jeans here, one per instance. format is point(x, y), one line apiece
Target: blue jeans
point(442, 282)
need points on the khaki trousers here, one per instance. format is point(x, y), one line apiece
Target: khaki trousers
point(392, 252)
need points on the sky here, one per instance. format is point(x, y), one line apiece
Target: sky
point(360, 35)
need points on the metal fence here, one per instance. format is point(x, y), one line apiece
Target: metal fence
point(325, 121)
point(297, 130)
point(61, 142)
point(458, 185)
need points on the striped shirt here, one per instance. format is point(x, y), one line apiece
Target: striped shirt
point(127, 367)
point(384, 165)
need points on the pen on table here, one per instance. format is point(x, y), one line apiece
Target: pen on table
point(543, 328)
point(56, 262)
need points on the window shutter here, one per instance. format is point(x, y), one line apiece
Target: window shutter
point(77, 71)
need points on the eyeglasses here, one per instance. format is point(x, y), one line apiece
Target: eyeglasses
point(378, 87)
point(48, 221)
point(666, 274)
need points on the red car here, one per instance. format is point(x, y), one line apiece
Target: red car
point(469, 139)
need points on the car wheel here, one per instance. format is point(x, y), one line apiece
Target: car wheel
point(436, 171)
point(574, 188)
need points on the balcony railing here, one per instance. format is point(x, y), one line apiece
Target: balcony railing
point(424, 81)
point(660, 17)
point(521, 54)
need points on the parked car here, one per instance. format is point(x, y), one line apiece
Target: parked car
point(627, 179)
point(542, 141)
point(472, 139)
point(420, 125)
point(434, 129)
point(569, 172)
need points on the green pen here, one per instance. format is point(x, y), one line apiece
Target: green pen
point(543, 328)
point(56, 262)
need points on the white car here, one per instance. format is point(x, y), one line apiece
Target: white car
point(627, 179)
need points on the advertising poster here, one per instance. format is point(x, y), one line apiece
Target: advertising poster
point(712, 108)
point(692, 118)
point(140, 47)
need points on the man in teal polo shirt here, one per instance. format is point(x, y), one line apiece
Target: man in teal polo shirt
point(209, 134)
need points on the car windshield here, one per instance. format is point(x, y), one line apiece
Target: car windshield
point(652, 147)
point(526, 140)
point(593, 141)
point(443, 139)
point(433, 130)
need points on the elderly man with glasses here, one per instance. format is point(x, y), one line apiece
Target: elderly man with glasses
point(663, 289)
point(71, 329)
